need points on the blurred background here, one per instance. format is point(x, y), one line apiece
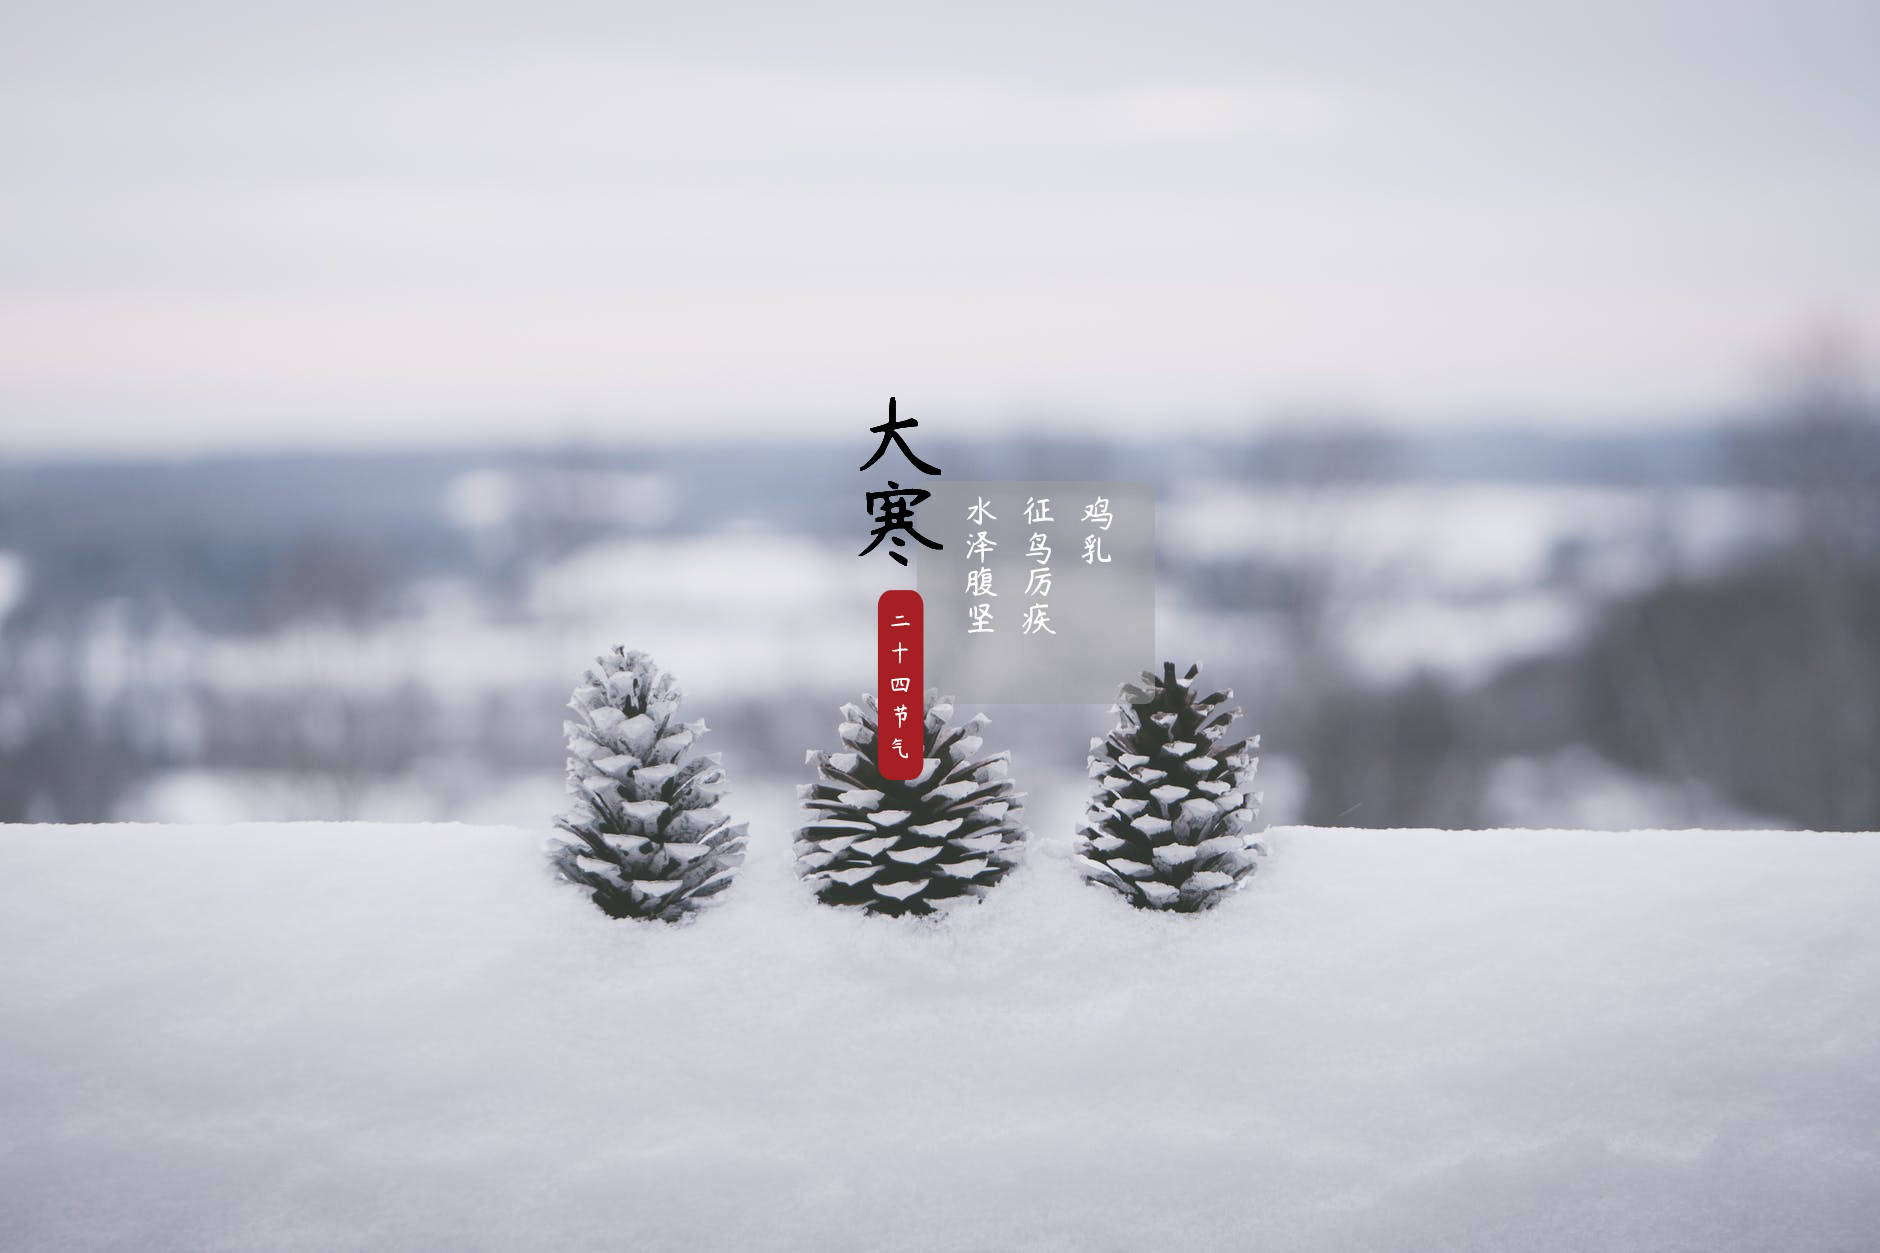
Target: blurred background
point(1502, 374)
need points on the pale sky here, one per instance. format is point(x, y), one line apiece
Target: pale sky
point(253, 225)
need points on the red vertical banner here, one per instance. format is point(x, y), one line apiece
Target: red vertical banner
point(900, 737)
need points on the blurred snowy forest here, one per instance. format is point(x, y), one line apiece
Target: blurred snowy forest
point(1451, 630)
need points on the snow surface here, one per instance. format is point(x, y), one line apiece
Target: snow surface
point(409, 1037)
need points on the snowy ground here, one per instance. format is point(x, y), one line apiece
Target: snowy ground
point(346, 1036)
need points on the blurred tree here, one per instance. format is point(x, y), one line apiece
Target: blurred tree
point(1764, 681)
point(327, 577)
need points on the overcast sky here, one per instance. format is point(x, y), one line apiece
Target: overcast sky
point(249, 224)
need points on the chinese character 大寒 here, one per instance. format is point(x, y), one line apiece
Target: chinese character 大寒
point(897, 504)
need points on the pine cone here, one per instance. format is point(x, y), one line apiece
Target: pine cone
point(903, 846)
point(647, 841)
point(1170, 823)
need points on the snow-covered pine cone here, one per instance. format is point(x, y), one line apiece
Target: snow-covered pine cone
point(904, 846)
point(1170, 824)
point(647, 840)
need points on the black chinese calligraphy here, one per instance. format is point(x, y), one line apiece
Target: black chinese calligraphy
point(890, 432)
point(895, 521)
point(897, 514)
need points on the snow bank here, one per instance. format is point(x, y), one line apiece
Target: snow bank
point(350, 1036)
point(1474, 540)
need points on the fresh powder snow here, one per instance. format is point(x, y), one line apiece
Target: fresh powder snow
point(410, 1037)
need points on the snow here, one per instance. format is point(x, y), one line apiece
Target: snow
point(1472, 539)
point(754, 614)
point(491, 500)
point(1589, 791)
point(365, 1036)
point(1465, 641)
point(1451, 579)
